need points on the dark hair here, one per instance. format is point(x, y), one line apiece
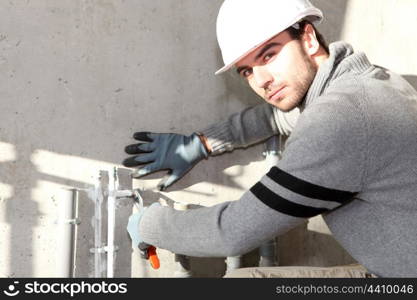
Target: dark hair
point(296, 33)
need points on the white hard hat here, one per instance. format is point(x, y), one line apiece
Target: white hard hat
point(244, 25)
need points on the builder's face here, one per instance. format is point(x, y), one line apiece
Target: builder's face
point(280, 71)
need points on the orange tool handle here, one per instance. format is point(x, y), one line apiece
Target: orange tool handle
point(153, 257)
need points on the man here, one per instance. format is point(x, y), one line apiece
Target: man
point(351, 156)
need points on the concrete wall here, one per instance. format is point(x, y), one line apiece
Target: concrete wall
point(79, 77)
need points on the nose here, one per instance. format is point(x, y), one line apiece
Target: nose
point(262, 77)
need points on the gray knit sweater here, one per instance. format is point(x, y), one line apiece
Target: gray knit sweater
point(351, 157)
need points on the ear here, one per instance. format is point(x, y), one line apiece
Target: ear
point(310, 42)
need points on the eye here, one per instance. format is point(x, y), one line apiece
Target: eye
point(268, 57)
point(246, 72)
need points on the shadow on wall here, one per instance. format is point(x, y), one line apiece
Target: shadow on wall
point(27, 223)
point(412, 79)
point(311, 248)
point(20, 212)
point(334, 16)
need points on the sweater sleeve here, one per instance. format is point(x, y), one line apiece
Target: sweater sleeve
point(252, 125)
point(322, 169)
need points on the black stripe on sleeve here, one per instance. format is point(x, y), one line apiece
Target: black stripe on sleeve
point(307, 189)
point(282, 205)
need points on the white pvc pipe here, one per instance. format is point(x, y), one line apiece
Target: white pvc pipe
point(111, 221)
point(98, 198)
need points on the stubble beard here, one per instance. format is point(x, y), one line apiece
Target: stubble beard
point(302, 83)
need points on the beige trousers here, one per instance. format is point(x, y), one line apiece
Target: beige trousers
point(349, 271)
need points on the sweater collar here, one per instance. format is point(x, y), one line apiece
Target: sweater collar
point(341, 59)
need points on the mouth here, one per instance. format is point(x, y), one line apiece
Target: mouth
point(276, 94)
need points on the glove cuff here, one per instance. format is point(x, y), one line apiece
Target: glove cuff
point(204, 142)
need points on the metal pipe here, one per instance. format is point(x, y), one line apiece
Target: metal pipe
point(98, 197)
point(67, 232)
point(233, 263)
point(267, 254)
point(274, 147)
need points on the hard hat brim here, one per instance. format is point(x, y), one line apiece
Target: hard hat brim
point(314, 15)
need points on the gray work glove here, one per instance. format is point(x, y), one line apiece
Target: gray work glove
point(165, 151)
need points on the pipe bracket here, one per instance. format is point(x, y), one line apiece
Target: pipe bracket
point(76, 221)
point(103, 249)
point(107, 248)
